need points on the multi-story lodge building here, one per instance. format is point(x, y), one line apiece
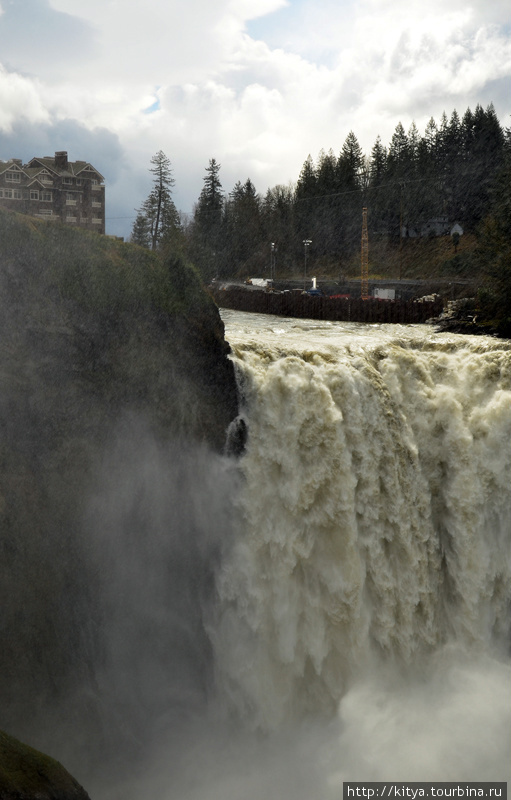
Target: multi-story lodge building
point(55, 188)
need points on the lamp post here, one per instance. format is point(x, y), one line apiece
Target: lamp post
point(273, 257)
point(306, 244)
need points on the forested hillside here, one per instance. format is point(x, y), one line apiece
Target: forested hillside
point(415, 188)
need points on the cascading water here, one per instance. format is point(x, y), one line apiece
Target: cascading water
point(371, 568)
point(328, 602)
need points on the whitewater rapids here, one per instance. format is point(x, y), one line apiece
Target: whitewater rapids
point(330, 604)
point(370, 580)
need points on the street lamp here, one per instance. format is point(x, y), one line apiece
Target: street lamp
point(273, 258)
point(306, 243)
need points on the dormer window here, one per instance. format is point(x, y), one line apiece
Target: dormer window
point(13, 177)
point(67, 181)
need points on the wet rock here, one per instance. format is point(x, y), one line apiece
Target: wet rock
point(27, 774)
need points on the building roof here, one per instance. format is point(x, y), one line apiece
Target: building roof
point(12, 164)
point(72, 169)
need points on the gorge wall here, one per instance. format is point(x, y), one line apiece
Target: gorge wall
point(99, 341)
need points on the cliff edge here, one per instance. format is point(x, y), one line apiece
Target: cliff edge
point(96, 336)
point(26, 773)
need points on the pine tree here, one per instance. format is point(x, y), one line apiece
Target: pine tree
point(307, 180)
point(277, 215)
point(325, 210)
point(141, 232)
point(430, 137)
point(398, 160)
point(158, 220)
point(378, 163)
point(484, 155)
point(350, 164)
point(207, 231)
point(211, 200)
point(305, 204)
point(243, 229)
point(494, 253)
point(413, 138)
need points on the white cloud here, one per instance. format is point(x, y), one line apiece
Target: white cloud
point(19, 99)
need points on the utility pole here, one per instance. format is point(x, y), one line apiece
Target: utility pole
point(400, 230)
point(364, 278)
point(306, 243)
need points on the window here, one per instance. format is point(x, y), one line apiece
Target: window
point(70, 218)
point(34, 194)
point(45, 212)
point(46, 197)
point(70, 199)
point(97, 221)
point(67, 181)
point(7, 193)
point(45, 178)
point(13, 177)
point(17, 194)
point(79, 182)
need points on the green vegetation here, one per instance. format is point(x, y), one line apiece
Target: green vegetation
point(98, 273)
point(26, 773)
point(415, 190)
point(98, 339)
point(157, 223)
point(493, 256)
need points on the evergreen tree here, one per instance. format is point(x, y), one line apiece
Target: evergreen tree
point(157, 221)
point(413, 138)
point(430, 137)
point(141, 232)
point(378, 164)
point(207, 235)
point(494, 253)
point(209, 208)
point(350, 164)
point(324, 210)
point(398, 170)
point(377, 198)
point(305, 204)
point(484, 149)
point(307, 180)
point(398, 160)
point(278, 224)
point(243, 230)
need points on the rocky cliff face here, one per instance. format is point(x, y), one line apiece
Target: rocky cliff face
point(26, 774)
point(95, 337)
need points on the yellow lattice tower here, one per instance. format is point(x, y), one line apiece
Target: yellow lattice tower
point(364, 280)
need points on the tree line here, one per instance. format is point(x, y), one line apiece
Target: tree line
point(448, 174)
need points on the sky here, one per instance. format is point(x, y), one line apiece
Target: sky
point(256, 84)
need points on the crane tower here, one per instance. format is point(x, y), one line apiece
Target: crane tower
point(364, 280)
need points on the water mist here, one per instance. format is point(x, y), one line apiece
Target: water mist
point(328, 602)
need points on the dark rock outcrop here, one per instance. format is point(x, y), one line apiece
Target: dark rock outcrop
point(96, 336)
point(27, 774)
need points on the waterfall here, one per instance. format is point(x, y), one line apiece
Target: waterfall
point(375, 514)
point(327, 601)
